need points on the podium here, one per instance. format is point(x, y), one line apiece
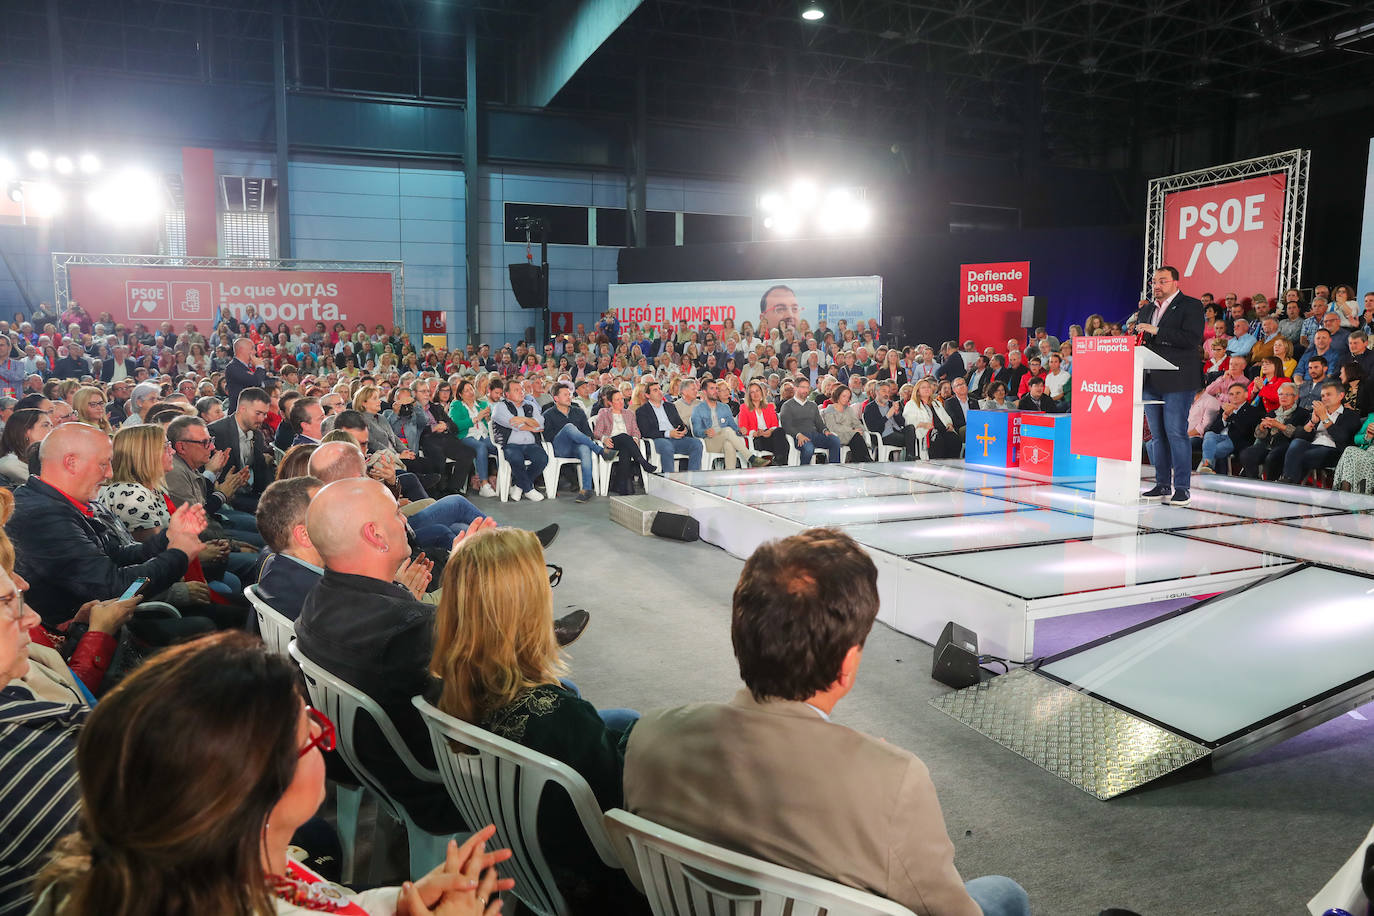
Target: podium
point(992, 438)
point(1108, 414)
point(1045, 447)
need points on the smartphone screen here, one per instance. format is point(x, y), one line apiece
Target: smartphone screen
point(134, 588)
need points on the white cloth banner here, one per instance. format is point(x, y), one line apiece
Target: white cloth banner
point(815, 299)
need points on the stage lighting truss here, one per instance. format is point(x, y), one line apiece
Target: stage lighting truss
point(803, 208)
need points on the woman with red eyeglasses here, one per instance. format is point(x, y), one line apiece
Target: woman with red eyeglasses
point(195, 774)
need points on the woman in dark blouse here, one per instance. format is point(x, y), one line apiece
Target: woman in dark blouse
point(499, 663)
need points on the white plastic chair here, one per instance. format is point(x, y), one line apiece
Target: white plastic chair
point(651, 453)
point(819, 456)
point(685, 875)
point(555, 467)
point(496, 781)
point(276, 628)
point(503, 472)
point(881, 449)
point(342, 704)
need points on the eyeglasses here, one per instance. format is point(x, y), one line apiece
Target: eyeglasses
point(203, 443)
point(326, 738)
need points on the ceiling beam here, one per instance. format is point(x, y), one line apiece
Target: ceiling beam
point(559, 43)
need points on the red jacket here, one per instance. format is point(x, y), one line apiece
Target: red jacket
point(749, 421)
point(91, 658)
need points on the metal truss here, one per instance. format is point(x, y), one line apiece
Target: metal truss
point(1294, 164)
point(61, 260)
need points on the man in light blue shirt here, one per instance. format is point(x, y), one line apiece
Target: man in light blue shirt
point(516, 425)
point(713, 423)
point(1243, 341)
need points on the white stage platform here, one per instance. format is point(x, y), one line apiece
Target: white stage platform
point(997, 550)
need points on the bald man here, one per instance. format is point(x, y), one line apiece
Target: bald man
point(434, 526)
point(243, 371)
point(359, 624)
point(72, 550)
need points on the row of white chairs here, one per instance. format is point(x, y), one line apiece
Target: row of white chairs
point(495, 781)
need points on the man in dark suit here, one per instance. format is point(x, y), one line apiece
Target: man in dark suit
point(1328, 431)
point(120, 358)
point(243, 371)
point(1171, 326)
point(73, 365)
point(294, 566)
point(663, 426)
point(241, 435)
point(958, 406)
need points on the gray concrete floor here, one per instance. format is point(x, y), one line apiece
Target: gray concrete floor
point(1259, 839)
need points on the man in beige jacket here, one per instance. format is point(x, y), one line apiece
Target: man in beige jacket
point(770, 775)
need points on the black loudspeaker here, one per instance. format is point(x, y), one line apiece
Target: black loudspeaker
point(527, 282)
point(1034, 311)
point(956, 657)
point(675, 526)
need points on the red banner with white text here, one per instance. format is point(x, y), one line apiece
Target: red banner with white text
point(1227, 238)
point(201, 295)
point(990, 303)
point(1103, 397)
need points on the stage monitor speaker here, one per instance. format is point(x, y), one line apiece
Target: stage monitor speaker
point(527, 282)
point(676, 526)
point(956, 657)
point(1034, 311)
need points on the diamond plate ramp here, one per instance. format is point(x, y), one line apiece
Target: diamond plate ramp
point(1090, 744)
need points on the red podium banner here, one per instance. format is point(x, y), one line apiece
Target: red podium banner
point(990, 302)
point(1103, 400)
point(1227, 237)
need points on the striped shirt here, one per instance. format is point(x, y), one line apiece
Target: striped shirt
point(39, 794)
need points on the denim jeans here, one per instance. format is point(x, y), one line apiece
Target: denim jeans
point(572, 442)
point(482, 447)
point(687, 445)
point(1302, 456)
point(1216, 451)
point(616, 718)
point(1173, 453)
point(998, 896)
point(832, 447)
point(523, 476)
point(437, 525)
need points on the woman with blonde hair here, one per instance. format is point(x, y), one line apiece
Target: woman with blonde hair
point(935, 436)
point(89, 407)
point(500, 666)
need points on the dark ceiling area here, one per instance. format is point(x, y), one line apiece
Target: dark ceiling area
point(983, 75)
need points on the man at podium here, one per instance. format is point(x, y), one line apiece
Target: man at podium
point(1171, 326)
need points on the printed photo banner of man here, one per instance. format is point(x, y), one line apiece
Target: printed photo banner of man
point(781, 303)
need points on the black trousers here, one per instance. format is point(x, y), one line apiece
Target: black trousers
point(906, 438)
point(443, 448)
point(858, 449)
point(775, 442)
point(1252, 457)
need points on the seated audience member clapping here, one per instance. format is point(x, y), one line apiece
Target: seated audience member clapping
point(495, 652)
point(1273, 434)
point(733, 774)
point(71, 550)
point(1329, 429)
point(241, 435)
point(174, 818)
point(294, 566)
point(1230, 432)
point(842, 418)
point(758, 418)
point(883, 415)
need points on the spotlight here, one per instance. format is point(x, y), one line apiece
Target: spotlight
point(770, 202)
point(38, 159)
point(804, 194)
point(44, 199)
point(787, 224)
point(813, 13)
point(89, 163)
point(63, 165)
point(15, 192)
point(129, 198)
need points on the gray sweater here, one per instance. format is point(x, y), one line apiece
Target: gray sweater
point(804, 419)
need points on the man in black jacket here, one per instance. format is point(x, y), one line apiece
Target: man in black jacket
point(1036, 399)
point(241, 435)
point(74, 364)
point(1171, 326)
point(363, 627)
point(243, 371)
point(70, 556)
point(1231, 431)
point(1319, 443)
point(883, 415)
point(121, 358)
point(567, 430)
point(294, 566)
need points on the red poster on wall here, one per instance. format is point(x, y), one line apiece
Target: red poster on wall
point(1227, 237)
point(1103, 401)
point(990, 302)
point(200, 295)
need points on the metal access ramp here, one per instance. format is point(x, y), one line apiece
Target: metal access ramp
point(1221, 679)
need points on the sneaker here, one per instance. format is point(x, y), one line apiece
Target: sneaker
point(487, 490)
point(1156, 492)
point(1204, 468)
point(534, 496)
point(583, 496)
point(758, 461)
point(609, 454)
point(546, 535)
point(514, 495)
point(1180, 498)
